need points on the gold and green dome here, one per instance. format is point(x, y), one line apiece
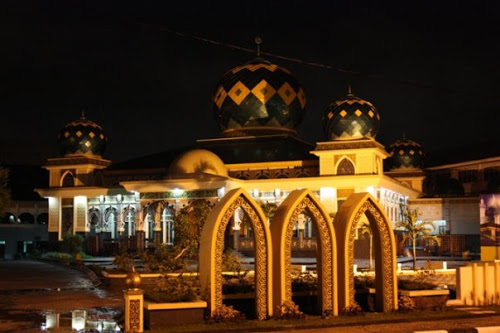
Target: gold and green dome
point(258, 97)
point(351, 118)
point(82, 137)
point(406, 154)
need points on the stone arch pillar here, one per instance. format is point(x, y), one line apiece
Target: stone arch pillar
point(212, 246)
point(345, 223)
point(281, 233)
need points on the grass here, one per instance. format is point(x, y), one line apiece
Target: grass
point(318, 322)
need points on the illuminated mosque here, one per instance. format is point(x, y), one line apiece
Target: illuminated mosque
point(258, 106)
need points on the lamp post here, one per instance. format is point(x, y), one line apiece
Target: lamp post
point(134, 302)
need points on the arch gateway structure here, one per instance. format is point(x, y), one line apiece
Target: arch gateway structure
point(257, 161)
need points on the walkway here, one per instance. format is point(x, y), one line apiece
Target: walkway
point(31, 289)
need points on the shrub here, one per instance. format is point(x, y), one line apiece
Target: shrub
point(226, 313)
point(174, 289)
point(288, 310)
point(72, 244)
point(352, 310)
point(415, 285)
point(305, 282)
point(406, 304)
point(123, 261)
point(364, 282)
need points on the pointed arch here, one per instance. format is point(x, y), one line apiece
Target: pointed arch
point(281, 233)
point(67, 179)
point(346, 221)
point(212, 246)
point(345, 166)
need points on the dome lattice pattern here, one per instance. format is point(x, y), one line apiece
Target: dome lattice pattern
point(406, 154)
point(258, 97)
point(351, 118)
point(82, 137)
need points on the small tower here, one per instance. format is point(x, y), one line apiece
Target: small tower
point(351, 124)
point(406, 162)
point(81, 144)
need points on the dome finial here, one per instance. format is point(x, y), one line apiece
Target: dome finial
point(83, 114)
point(404, 135)
point(349, 90)
point(258, 41)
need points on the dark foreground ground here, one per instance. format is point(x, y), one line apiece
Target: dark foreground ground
point(31, 289)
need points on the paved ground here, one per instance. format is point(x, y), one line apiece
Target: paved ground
point(31, 289)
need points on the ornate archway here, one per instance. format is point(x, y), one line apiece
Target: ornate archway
point(346, 221)
point(284, 219)
point(212, 246)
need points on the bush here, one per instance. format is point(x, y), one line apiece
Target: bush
point(123, 261)
point(352, 310)
point(170, 289)
point(364, 282)
point(415, 285)
point(224, 314)
point(305, 282)
point(406, 304)
point(288, 310)
point(72, 244)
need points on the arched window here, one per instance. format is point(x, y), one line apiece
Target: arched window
point(68, 180)
point(129, 222)
point(345, 167)
point(168, 227)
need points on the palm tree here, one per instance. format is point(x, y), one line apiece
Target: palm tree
point(364, 230)
point(414, 229)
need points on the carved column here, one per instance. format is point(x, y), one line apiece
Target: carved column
point(134, 313)
point(236, 229)
point(139, 229)
point(157, 225)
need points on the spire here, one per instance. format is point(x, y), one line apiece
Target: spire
point(349, 90)
point(83, 114)
point(258, 41)
point(404, 136)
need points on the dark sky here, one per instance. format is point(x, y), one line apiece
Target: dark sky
point(432, 70)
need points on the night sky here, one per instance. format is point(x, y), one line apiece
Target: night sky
point(432, 70)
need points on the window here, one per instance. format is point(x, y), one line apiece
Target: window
point(68, 180)
point(345, 167)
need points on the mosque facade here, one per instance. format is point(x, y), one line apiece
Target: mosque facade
point(258, 106)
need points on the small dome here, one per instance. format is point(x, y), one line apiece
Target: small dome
point(351, 118)
point(198, 162)
point(258, 98)
point(406, 154)
point(82, 137)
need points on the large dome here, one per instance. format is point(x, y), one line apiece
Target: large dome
point(197, 162)
point(82, 137)
point(258, 98)
point(351, 118)
point(406, 154)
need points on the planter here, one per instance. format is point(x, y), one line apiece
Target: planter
point(427, 299)
point(158, 315)
point(117, 280)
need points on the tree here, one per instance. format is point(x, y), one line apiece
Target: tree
point(4, 189)
point(365, 231)
point(189, 222)
point(414, 229)
point(269, 209)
